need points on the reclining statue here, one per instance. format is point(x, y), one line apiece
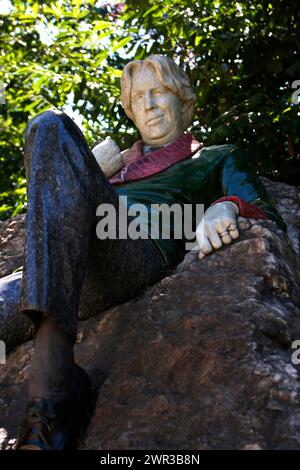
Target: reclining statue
point(70, 272)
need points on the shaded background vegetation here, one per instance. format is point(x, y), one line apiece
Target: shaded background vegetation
point(242, 58)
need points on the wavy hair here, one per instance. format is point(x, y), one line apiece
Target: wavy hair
point(170, 75)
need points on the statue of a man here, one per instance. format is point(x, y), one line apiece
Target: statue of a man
point(68, 269)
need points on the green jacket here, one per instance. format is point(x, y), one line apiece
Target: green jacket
point(213, 172)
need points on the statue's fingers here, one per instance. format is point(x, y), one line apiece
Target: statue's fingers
point(225, 237)
point(243, 223)
point(202, 240)
point(222, 229)
point(233, 231)
point(213, 236)
point(204, 243)
point(221, 226)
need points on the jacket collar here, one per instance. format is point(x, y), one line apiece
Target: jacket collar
point(139, 166)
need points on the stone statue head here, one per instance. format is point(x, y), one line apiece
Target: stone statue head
point(157, 95)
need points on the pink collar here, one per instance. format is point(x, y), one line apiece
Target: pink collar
point(138, 166)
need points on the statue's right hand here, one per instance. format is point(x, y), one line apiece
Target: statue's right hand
point(218, 227)
point(108, 157)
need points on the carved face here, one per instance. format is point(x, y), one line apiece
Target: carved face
point(157, 110)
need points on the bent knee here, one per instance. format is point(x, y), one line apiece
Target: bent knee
point(47, 119)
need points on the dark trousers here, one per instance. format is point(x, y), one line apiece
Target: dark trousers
point(68, 270)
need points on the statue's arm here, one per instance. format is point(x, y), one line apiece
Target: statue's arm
point(243, 196)
point(239, 179)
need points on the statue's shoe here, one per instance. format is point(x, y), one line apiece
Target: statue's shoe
point(55, 425)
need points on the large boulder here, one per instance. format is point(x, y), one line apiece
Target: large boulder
point(201, 360)
point(12, 238)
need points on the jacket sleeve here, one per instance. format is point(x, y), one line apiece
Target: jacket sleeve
point(241, 185)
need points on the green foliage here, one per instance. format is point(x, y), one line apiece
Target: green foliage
point(242, 58)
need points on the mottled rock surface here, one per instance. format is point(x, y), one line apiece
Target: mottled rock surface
point(201, 360)
point(287, 201)
point(12, 236)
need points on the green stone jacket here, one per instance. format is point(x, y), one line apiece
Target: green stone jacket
point(211, 173)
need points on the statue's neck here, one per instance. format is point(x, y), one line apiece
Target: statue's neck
point(149, 148)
